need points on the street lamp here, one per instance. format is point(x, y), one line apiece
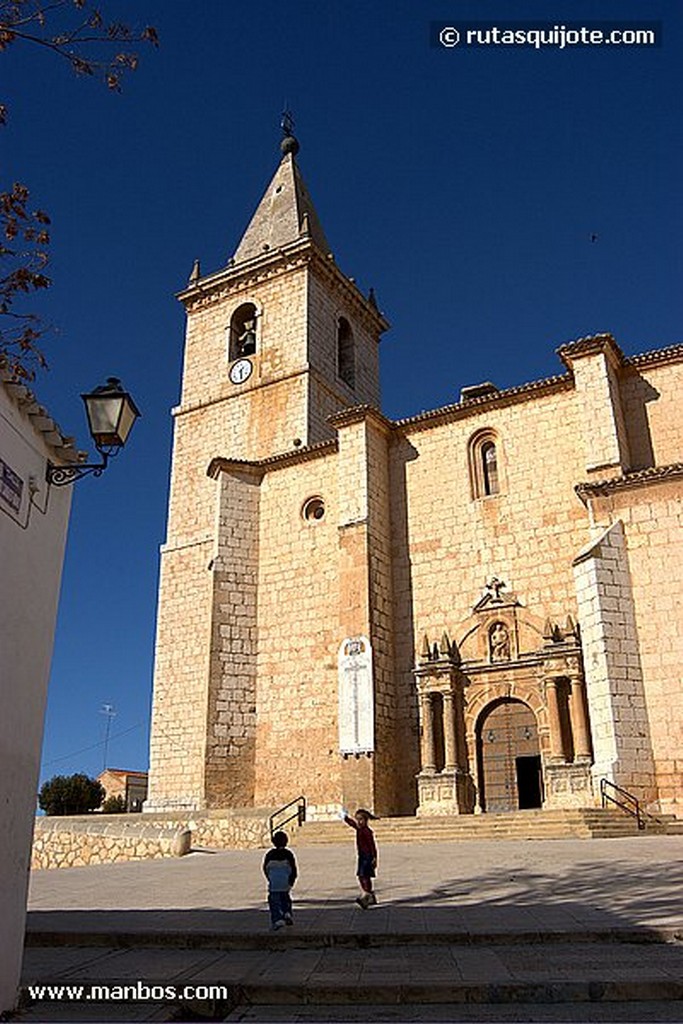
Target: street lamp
point(111, 414)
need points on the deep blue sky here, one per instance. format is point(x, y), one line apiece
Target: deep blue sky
point(463, 185)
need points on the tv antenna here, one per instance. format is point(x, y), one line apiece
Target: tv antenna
point(110, 711)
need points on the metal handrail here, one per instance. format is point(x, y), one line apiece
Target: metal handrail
point(299, 815)
point(634, 810)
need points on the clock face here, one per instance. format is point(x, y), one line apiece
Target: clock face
point(240, 371)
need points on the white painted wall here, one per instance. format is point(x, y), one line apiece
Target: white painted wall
point(32, 540)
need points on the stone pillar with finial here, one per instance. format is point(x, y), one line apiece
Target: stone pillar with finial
point(447, 788)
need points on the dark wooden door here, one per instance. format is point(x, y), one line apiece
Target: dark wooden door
point(508, 745)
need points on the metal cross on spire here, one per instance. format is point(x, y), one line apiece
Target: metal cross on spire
point(289, 144)
point(287, 122)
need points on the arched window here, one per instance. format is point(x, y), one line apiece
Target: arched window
point(484, 463)
point(489, 467)
point(346, 352)
point(242, 331)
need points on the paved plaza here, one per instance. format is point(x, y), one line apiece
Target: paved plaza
point(585, 930)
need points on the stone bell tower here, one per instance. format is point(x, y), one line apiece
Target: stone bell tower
point(277, 341)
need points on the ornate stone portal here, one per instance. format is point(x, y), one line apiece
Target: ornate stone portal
point(503, 717)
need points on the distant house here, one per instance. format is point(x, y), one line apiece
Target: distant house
point(34, 516)
point(132, 786)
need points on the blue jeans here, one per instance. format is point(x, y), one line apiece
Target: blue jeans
point(280, 904)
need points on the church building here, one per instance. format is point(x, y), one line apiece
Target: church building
point(471, 610)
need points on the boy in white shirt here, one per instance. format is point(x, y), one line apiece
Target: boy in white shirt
point(279, 867)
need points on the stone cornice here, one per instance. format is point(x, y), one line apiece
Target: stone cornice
point(561, 652)
point(231, 278)
point(358, 414)
point(606, 343)
point(183, 410)
point(500, 399)
point(641, 478)
point(657, 357)
point(303, 252)
point(590, 345)
point(259, 466)
point(220, 465)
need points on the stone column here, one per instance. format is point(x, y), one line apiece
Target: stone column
point(557, 752)
point(579, 720)
point(427, 725)
point(450, 750)
point(461, 745)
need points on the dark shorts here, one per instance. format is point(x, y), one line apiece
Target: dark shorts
point(365, 866)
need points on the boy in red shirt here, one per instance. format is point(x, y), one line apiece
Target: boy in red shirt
point(367, 854)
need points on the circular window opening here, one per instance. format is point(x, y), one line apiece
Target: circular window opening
point(313, 509)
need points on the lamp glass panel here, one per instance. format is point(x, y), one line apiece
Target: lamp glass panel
point(127, 418)
point(104, 414)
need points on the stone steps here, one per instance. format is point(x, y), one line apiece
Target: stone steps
point(465, 1013)
point(495, 974)
point(537, 824)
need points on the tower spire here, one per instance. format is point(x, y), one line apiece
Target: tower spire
point(286, 211)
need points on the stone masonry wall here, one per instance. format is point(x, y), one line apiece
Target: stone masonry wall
point(652, 520)
point(354, 596)
point(298, 637)
point(326, 304)
point(527, 535)
point(654, 416)
point(603, 431)
point(93, 839)
point(179, 710)
point(280, 298)
point(74, 842)
point(231, 725)
point(622, 743)
point(388, 779)
point(216, 418)
point(252, 424)
point(449, 543)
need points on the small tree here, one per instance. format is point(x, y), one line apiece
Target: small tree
point(70, 794)
point(114, 805)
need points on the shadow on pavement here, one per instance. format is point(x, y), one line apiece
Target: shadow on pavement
point(585, 898)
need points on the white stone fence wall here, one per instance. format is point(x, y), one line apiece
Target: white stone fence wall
point(65, 842)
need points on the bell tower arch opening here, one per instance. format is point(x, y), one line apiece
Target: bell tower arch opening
point(242, 332)
point(346, 352)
